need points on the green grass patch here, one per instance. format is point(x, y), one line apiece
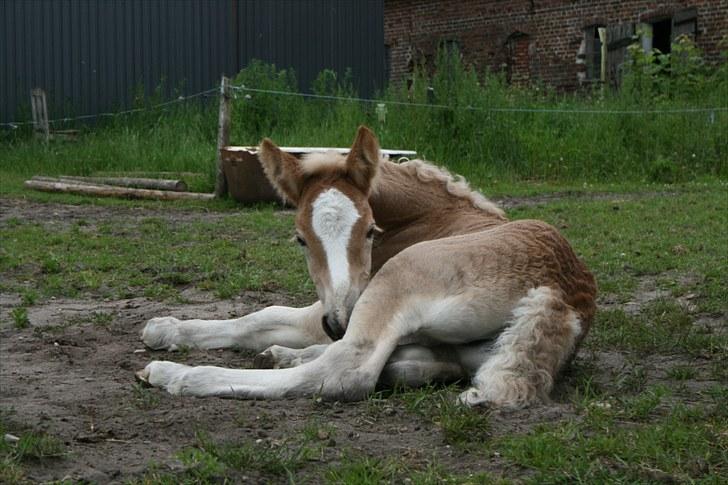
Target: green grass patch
point(368, 470)
point(684, 445)
point(207, 460)
point(248, 251)
point(461, 426)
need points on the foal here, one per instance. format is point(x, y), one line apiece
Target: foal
point(419, 279)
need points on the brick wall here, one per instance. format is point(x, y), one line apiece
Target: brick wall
point(529, 40)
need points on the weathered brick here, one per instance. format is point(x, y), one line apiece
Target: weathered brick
point(531, 39)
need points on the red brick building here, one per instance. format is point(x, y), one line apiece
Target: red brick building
point(558, 42)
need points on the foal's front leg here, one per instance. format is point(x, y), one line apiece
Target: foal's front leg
point(345, 371)
point(276, 325)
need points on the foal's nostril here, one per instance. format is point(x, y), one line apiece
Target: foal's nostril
point(332, 328)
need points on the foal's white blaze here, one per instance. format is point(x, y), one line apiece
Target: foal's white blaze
point(334, 216)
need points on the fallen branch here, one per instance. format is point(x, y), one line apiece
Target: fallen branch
point(46, 184)
point(138, 173)
point(133, 182)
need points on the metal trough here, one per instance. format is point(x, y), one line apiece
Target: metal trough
point(246, 181)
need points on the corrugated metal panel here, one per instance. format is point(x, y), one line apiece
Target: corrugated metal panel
point(92, 55)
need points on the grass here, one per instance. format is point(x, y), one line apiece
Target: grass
point(30, 448)
point(20, 317)
point(461, 426)
point(247, 251)
point(682, 446)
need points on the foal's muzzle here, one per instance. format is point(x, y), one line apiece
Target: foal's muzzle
point(332, 327)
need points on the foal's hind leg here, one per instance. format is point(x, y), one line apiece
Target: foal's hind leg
point(292, 327)
point(528, 354)
point(416, 365)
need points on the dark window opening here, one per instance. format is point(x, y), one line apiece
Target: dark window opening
point(662, 35)
point(593, 55)
point(517, 58)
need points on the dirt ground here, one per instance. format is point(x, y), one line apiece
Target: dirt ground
point(75, 381)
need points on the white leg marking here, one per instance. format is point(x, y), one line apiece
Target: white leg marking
point(344, 371)
point(292, 327)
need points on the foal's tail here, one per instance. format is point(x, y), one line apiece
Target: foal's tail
point(528, 354)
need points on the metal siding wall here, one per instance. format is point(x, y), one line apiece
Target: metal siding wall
point(91, 55)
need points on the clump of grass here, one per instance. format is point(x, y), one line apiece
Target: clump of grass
point(144, 397)
point(29, 297)
point(681, 373)
point(640, 407)
point(364, 470)
point(50, 264)
point(38, 446)
point(30, 448)
point(20, 317)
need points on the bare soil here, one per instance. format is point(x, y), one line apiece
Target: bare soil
point(74, 379)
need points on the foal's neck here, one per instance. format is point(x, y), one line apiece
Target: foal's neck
point(413, 206)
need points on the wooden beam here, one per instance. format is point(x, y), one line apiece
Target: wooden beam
point(47, 184)
point(144, 174)
point(134, 182)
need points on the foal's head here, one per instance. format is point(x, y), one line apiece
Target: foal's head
point(334, 223)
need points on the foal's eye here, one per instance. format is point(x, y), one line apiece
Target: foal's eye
point(300, 240)
point(370, 232)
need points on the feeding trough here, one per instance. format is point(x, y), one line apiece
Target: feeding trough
point(246, 182)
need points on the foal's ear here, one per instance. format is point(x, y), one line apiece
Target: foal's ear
point(282, 169)
point(363, 159)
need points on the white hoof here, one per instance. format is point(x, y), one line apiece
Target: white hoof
point(166, 375)
point(278, 357)
point(473, 397)
point(162, 334)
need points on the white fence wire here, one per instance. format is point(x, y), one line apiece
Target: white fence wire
point(242, 88)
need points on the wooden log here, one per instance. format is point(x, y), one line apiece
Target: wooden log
point(39, 178)
point(57, 185)
point(134, 182)
point(145, 174)
point(223, 136)
point(153, 184)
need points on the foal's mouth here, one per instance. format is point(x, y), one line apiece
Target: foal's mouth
point(332, 327)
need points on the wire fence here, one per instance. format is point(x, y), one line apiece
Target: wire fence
point(242, 88)
point(476, 108)
point(180, 99)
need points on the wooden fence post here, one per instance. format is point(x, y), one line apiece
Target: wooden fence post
point(223, 135)
point(39, 110)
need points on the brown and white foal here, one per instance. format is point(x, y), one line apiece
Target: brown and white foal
point(419, 279)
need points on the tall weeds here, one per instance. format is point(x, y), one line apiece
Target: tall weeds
point(474, 123)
